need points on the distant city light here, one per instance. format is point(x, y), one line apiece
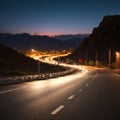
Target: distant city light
point(33, 50)
point(117, 53)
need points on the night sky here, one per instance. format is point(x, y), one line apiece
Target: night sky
point(53, 17)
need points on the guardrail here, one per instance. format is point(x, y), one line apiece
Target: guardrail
point(19, 79)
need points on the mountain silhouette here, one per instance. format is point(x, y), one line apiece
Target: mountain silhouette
point(26, 42)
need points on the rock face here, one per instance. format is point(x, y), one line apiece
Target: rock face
point(103, 38)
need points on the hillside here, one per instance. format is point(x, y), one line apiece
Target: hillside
point(14, 63)
point(96, 47)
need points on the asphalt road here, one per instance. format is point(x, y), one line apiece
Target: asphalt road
point(87, 95)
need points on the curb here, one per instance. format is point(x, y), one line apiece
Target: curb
point(28, 78)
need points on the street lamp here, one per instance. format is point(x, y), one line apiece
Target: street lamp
point(33, 50)
point(118, 59)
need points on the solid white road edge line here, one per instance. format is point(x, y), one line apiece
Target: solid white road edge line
point(11, 90)
point(57, 110)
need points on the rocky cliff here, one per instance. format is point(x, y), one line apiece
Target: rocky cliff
point(103, 38)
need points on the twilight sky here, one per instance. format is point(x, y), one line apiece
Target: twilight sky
point(53, 17)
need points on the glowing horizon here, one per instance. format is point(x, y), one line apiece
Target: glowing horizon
point(57, 34)
point(47, 34)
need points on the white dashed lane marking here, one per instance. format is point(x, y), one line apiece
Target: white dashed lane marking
point(57, 110)
point(72, 96)
point(69, 98)
point(80, 90)
point(91, 81)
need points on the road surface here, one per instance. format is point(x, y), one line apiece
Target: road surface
point(86, 95)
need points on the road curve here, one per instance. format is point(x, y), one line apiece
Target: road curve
point(86, 95)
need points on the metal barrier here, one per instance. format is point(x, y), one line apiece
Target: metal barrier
point(19, 79)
